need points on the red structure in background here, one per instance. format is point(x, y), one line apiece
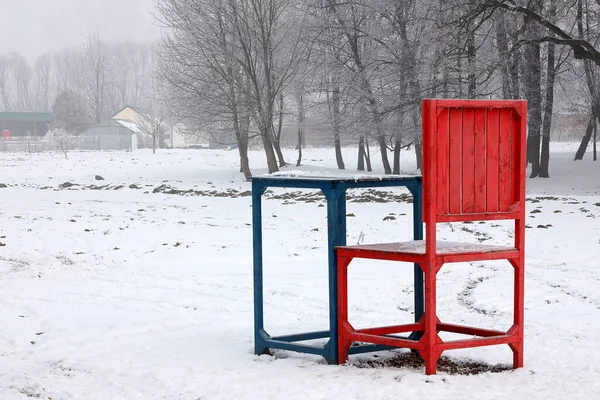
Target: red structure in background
point(5, 134)
point(474, 170)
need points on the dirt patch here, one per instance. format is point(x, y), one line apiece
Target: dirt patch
point(166, 189)
point(447, 365)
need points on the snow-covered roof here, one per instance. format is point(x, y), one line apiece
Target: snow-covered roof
point(132, 126)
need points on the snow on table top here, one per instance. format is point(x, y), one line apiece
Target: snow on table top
point(334, 176)
point(443, 247)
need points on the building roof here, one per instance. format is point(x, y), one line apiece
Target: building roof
point(25, 116)
point(132, 126)
point(135, 109)
point(114, 123)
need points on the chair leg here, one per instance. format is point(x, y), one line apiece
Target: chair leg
point(519, 310)
point(517, 349)
point(431, 353)
point(342, 278)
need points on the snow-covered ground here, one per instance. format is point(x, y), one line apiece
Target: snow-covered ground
point(109, 290)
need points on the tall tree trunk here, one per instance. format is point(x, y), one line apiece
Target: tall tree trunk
point(335, 97)
point(459, 67)
point(300, 101)
point(592, 87)
point(471, 77)
point(277, 147)
point(549, 101)
point(586, 138)
point(515, 62)
point(417, 141)
point(277, 134)
point(397, 148)
point(361, 153)
point(368, 155)
point(243, 130)
point(503, 54)
point(384, 155)
point(244, 162)
point(532, 86)
point(269, 151)
point(594, 143)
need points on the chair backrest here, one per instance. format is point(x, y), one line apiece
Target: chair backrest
point(474, 159)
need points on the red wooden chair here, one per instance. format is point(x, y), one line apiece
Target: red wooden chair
point(474, 170)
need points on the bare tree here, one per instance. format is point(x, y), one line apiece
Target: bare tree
point(205, 85)
point(95, 65)
point(42, 71)
point(5, 82)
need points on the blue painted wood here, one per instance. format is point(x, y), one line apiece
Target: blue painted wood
point(257, 191)
point(419, 289)
point(300, 348)
point(302, 336)
point(334, 190)
point(336, 236)
point(368, 348)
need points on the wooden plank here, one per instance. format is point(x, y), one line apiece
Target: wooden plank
point(518, 171)
point(496, 104)
point(468, 343)
point(491, 161)
point(443, 160)
point(469, 330)
point(505, 187)
point(468, 257)
point(385, 340)
point(480, 160)
point(454, 182)
point(429, 131)
point(479, 217)
point(468, 161)
point(389, 330)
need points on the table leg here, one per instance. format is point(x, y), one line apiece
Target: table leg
point(419, 294)
point(257, 191)
point(336, 236)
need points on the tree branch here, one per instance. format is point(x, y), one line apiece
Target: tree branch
point(582, 49)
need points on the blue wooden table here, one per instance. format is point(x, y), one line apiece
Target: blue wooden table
point(334, 189)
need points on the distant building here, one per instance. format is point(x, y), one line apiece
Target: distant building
point(174, 136)
point(111, 134)
point(24, 124)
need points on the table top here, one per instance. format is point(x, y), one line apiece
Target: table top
point(309, 180)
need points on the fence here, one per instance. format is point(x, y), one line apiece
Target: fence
point(28, 144)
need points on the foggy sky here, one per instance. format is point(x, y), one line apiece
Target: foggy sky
point(35, 27)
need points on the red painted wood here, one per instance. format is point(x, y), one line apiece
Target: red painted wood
point(468, 161)
point(381, 255)
point(342, 306)
point(468, 343)
point(489, 104)
point(454, 182)
point(491, 155)
point(499, 255)
point(474, 169)
point(518, 171)
point(443, 161)
point(505, 187)
point(480, 160)
point(430, 168)
point(385, 340)
point(468, 330)
point(388, 330)
point(478, 217)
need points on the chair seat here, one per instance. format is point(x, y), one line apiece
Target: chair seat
point(417, 248)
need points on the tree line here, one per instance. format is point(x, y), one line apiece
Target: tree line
point(359, 69)
point(84, 85)
point(354, 72)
